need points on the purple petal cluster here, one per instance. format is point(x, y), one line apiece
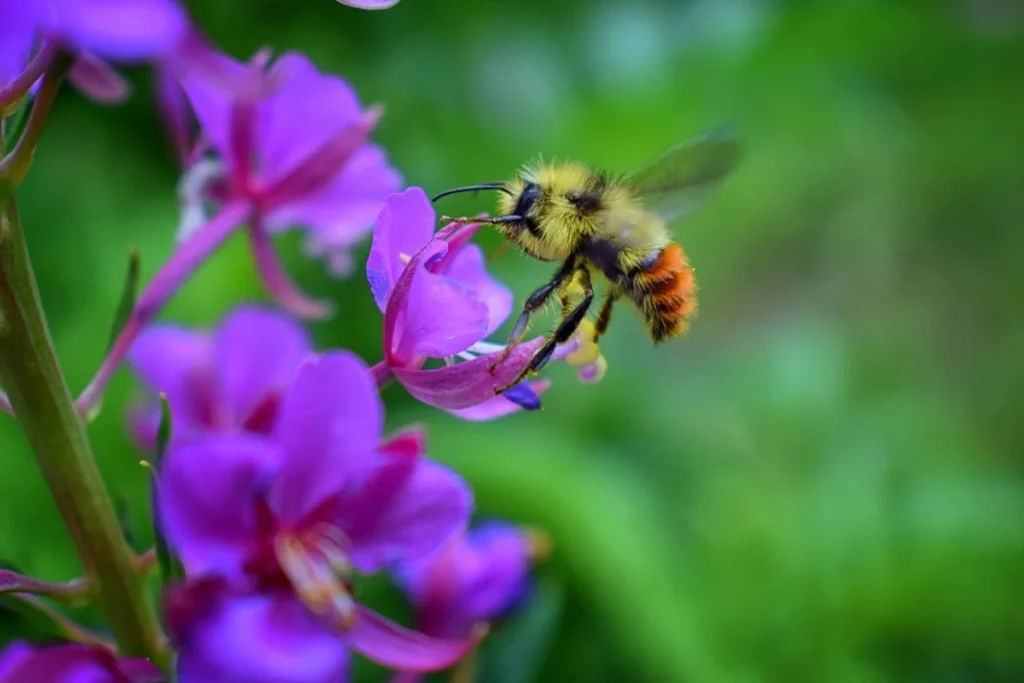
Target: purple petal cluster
point(475, 578)
point(224, 381)
point(292, 143)
point(22, 663)
point(439, 302)
point(272, 530)
point(92, 30)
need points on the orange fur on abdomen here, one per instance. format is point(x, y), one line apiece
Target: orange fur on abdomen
point(668, 289)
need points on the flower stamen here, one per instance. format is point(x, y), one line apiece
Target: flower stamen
point(319, 569)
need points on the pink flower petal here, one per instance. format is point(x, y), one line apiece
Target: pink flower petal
point(205, 494)
point(306, 111)
point(179, 363)
point(122, 29)
point(98, 80)
point(323, 164)
point(262, 639)
point(497, 406)
point(415, 506)
point(339, 215)
point(403, 228)
point(206, 83)
point(468, 383)
point(441, 317)
point(468, 268)
point(329, 425)
point(258, 352)
point(278, 284)
point(391, 645)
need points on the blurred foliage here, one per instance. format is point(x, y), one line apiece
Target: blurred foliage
point(823, 480)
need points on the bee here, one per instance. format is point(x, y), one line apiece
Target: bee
point(595, 224)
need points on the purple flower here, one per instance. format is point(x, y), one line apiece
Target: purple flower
point(475, 578)
point(230, 380)
point(289, 148)
point(93, 30)
point(271, 530)
point(291, 142)
point(369, 4)
point(439, 302)
point(21, 663)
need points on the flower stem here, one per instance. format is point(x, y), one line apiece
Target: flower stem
point(18, 88)
point(38, 392)
point(14, 167)
point(382, 374)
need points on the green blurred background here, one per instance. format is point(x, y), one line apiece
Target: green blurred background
point(822, 481)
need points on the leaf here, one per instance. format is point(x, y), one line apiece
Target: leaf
point(170, 567)
point(129, 293)
point(516, 651)
point(15, 123)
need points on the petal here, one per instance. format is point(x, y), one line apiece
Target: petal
point(179, 363)
point(419, 505)
point(258, 351)
point(441, 317)
point(391, 645)
point(68, 663)
point(278, 284)
point(122, 29)
point(172, 107)
point(495, 570)
point(500, 406)
point(207, 496)
point(404, 226)
point(12, 656)
point(369, 4)
point(98, 80)
point(330, 422)
point(212, 100)
point(307, 110)
point(262, 639)
point(18, 35)
point(469, 383)
point(340, 214)
point(467, 268)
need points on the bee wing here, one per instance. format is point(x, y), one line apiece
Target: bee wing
point(681, 177)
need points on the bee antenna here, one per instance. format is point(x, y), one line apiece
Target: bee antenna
point(500, 187)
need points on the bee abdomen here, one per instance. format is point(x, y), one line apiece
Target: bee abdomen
point(668, 289)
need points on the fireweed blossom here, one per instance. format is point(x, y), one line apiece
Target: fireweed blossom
point(91, 30)
point(23, 663)
point(439, 302)
point(369, 4)
point(228, 380)
point(289, 149)
point(476, 577)
point(297, 152)
point(271, 530)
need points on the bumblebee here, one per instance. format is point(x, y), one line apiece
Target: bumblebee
point(595, 224)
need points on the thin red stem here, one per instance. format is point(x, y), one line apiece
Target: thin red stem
point(14, 167)
point(161, 289)
point(17, 88)
point(382, 374)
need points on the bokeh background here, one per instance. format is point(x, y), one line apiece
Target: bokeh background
point(822, 482)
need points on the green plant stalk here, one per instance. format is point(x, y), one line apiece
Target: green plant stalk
point(30, 373)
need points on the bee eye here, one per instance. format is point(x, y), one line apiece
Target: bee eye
point(586, 202)
point(531, 193)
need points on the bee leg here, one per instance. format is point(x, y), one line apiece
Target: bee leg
point(605, 316)
point(496, 220)
point(563, 333)
point(534, 302)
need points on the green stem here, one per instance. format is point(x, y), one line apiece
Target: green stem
point(30, 372)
